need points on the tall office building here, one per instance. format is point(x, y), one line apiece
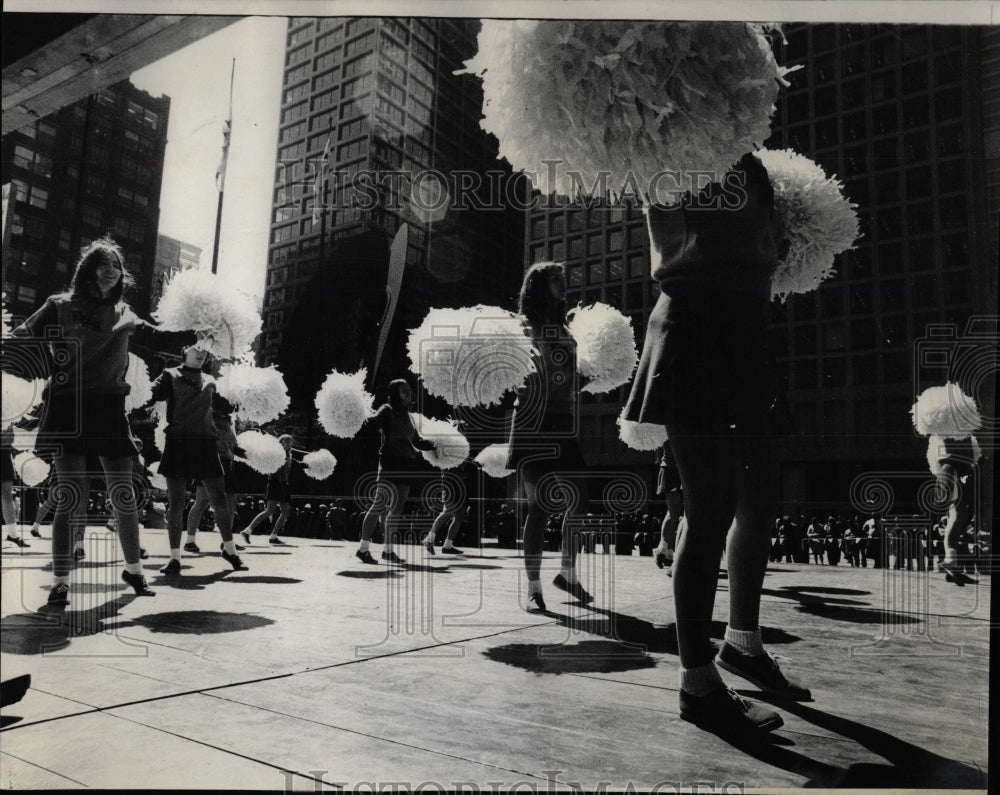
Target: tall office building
point(909, 118)
point(92, 168)
point(172, 256)
point(381, 97)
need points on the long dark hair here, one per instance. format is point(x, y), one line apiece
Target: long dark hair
point(393, 394)
point(84, 281)
point(536, 303)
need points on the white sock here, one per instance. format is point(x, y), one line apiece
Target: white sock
point(701, 681)
point(448, 544)
point(175, 554)
point(745, 641)
point(364, 546)
point(133, 568)
point(77, 545)
point(429, 539)
point(569, 574)
point(60, 580)
point(191, 537)
point(11, 532)
point(534, 586)
point(229, 547)
point(950, 555)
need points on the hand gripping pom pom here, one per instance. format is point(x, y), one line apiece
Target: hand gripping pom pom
point(319, 464)
point(263, 452)
point(936, 448)
point(137, 377)
point(19, 397)
point(630, 100)
point(493, 460)
point(32, 469)
point(815, 219)
point(226, 319)
point(605, 346)
point(451, 448)
point(156, 480)
point(259, 393)
point(641, 435)
point(343, 404)
point(470, 356)
point(946, 411)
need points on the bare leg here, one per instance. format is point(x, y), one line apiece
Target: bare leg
point(201, 502)
point(284, 511)
point(263, 516)
point(215, 493)
point(534, 533)
point(69, 496)
point(121, 494)
point(400, 493)
point(176, 497)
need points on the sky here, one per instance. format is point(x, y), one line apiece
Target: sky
point(196, 79)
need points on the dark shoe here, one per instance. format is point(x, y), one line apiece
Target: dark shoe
point(763, 671)
point(59, 595)
point(138, 583)
point(954, 574)
point(173, 567)
point(13, 690)
point(429, 546)
point(275, 540)
point(35, 533)
point(451, 551)
point(365, 557)
point(239, 547)
point(79, 554)
point(573, 589)
point(222, 547)
point(143, 554)
point(536, 604)
point(246, 536)
point(190, 546)
point(663, 561)
point(234, 561)
point(392, 557)
point(20, 542)
point(724, 712)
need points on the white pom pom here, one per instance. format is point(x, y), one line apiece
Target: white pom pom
point(137, 377)
point(31, 469)
point(343, 404)
point(263, 452)
point(156, 480)
point(451, 447)
point(160, 432)
point(7, 320)
point(605, 346)
point(24, 440)
point(493, 460)
point(197, 300)
point(259, 393)
point(641, 435)
point(815, 218)
point(470, 356)
point(630, 98)
point(19, 397)
point(319, 464)
point(946, 411)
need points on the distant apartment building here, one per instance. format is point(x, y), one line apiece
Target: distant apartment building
point(172, 256)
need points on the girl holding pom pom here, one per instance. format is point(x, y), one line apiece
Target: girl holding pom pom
point(955, 462)
point(277, 497)
point(543, 445)
point(704, 375)
point(87, 330)
point(190, 451)
point(7, 489)
point(399, 459)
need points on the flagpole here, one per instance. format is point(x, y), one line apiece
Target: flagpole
point(221, 183)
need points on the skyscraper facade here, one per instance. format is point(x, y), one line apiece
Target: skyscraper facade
point(93, 168)
point(372, 106)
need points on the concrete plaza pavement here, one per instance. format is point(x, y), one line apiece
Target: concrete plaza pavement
point(312, 670)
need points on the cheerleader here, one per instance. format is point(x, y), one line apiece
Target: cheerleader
point(227, 450)
point(543, 444)
point(277, 497)
point(399, 460)
point(454, 508)
point(7, 486)
point(87, 331)
point(190, 451)
point(957, 463)
point(703, 374)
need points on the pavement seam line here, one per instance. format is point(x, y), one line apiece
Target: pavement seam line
point(41, 767)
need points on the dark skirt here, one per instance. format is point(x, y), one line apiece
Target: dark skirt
point(279, 491)
point(6, 465)
point(705, 362)
point(551, 444)
point(229, 474)
point(194, 458)
point(91, 425)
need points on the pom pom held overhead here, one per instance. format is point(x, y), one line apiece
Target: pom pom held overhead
point(946, 411)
